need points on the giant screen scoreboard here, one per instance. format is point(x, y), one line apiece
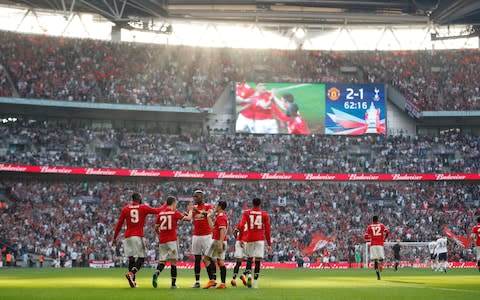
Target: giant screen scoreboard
point(305, 108)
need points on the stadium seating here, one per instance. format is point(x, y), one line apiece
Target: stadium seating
point(48, 217)
point(54, 145)
point(97, 71)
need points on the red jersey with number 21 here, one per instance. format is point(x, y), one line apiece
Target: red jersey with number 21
point(168, 219)
point(258, 225)
point(376, 233)
point(134, 214)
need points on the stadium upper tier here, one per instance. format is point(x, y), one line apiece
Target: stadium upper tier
point(98, 71)
point(46, 217)
point(42, 144)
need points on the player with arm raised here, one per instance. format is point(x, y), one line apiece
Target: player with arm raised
point(166, 227)
point(218, 247)
point(258, 231)
point(476, 239)
point(134, 215)
point(441, 251)
point(240, 254)
point(202, 234)
point(377, 233)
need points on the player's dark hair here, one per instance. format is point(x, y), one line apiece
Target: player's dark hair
point(256, 202)
point(222, 204)
point(375, 218)
point(478, 219)
point(170, 200)
point(136, 198)
point(288, 97)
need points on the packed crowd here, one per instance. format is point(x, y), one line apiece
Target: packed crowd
point(78, 218)
point(43, 144)
point(99, 71)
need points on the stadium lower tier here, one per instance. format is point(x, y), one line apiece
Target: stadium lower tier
point(311, 221)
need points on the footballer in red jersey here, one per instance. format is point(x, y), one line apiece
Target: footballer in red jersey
point(376, 234)
point(295, 122)
point(202, 234)
point(476, 238)
point(240, 253)
point(258, 231)
point(256, 114)
point(133, 215)
point(166, 227)
point(216, 251)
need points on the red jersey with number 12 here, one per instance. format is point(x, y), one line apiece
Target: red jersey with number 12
point(258, 225)
point(376, 233)
point(200, 222)
point(134, 214)
point(476, 231)
point(167, 219)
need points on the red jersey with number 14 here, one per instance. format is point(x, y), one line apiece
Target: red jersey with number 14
point(258, 225)
point(200, 222)
point(134, 215)
point(167, 219)
point(476, 231)
point(376, 233)
point(221, 221)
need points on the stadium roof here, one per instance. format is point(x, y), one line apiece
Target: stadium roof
point(308, 12)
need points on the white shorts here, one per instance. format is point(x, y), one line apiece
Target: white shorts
point(216, 252)
point(255, 249)
point(244, 124)
point(201, 243)
point(478, 252)
point(239, 251)
point(168, 251)
point(267, 126)
point(377, 252)
point(134, 246)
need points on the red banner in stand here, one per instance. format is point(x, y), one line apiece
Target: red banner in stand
point(233, 175)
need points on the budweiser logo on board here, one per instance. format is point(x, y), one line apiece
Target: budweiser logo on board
point(319, 177)
point(93, 171)
point(232, 175)
point(407, 177)
point(449, 177)
point(144, 173)
point(362, 177)
point(12, 168)
point(275, 176)
point(55, 170)
point(188, 174)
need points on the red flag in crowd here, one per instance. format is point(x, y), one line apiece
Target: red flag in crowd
point(459, 239)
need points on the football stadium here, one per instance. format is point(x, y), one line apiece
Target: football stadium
point(322, 149)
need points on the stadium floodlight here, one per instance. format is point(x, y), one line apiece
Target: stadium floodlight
point(299, 32)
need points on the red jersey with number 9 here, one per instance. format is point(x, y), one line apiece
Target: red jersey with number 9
point(476, 231)
point(258, 225)
point(168, 219)
point(134, 214)
point(376, 233)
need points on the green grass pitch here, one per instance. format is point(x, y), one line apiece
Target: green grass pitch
point(302, 284)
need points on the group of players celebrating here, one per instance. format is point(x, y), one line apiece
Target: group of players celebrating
point(210, 227)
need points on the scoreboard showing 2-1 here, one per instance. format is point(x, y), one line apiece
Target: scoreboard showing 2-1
point(355, 109)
